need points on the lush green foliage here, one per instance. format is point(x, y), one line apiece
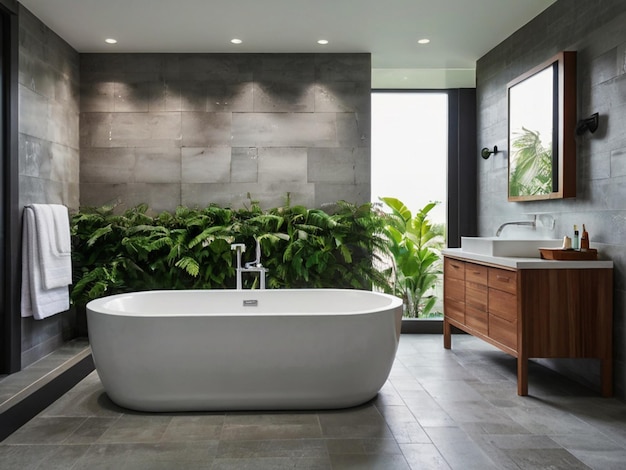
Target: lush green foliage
point(532, 169)
point(415, 245)
point(190, 248)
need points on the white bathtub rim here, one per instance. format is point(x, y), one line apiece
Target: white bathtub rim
point(100, 305)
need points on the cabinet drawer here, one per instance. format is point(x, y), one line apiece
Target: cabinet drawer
point(503, 280)
point(503, 331)
point(503, 304)
point(454, 310)
point(454, 268)
point(476, 273)
point(454, 289)
point(476, 319)
point(476, 295)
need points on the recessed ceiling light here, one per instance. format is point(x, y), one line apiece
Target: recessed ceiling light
point(236, 41)
point(110, 41)
point(423, 41)
point(323, 42)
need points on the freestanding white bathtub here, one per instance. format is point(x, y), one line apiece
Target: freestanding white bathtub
point(200, 350)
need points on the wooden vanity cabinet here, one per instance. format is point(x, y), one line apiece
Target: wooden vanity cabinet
point(476, 298)
point(532, 313)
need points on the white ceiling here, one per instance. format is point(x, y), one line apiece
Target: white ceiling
point(461, 31)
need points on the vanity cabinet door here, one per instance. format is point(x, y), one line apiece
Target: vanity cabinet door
point(454, 268)
point(503, 280)
point(503, 307)
point(476, 297)
point(503, 331)
point(454, 289)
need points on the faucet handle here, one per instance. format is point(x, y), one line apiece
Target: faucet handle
point(546, 220)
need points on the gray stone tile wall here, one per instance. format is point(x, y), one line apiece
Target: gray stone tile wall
point(48, 99)
point(194, 129)
point(595, 29)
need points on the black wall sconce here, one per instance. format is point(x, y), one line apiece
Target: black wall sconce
point(590, 124)
point(486, 153)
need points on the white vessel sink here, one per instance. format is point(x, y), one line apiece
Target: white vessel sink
point(494, 246)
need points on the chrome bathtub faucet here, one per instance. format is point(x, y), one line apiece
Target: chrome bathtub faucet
point(251, 267)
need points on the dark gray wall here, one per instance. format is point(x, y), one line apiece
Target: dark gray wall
point(194, 129)
point(48, 148)
point(594, 28)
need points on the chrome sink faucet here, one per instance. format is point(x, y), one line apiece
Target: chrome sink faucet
point(541, 220)
point(531, 223)
point(250, 267)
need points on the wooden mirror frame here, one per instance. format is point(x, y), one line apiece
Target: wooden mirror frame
point(564, 141)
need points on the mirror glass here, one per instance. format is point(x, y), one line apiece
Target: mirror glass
point(542, 149)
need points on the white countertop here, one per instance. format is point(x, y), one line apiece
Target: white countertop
point(527, 263)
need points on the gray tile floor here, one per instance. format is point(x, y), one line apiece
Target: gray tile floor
point(440, 409)
point(13, 387)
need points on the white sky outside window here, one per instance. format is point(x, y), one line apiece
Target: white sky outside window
point(410, 149)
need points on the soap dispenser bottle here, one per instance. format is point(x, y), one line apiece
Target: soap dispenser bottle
point(584, 240)
point(575, 244)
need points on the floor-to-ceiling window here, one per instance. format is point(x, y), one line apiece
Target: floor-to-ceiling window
point(409, 163)
point(410, 148)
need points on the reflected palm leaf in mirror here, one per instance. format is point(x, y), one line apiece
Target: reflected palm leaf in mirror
point(531, 167)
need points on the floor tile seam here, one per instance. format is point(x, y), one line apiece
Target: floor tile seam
point(433, 399)
point(489, 449)
point(617, 445)
point(583, 455)
point(285, 439)
point(364, 450)
point(382, 418)
point(498, 416)
point(257, 459)
point(117, 419)
point(326, 441)
point(602, 431)
point(512, 452)
point(42, 419)
point(479, 448)
point(533, 435)
point(406, 458)
point(44, 465)
point(621, 443)
point(323, 454)
point(41, 444)
point(557, 446)
point(595, 434)
point(76, 428)
point(273, 439)
point(549, 433)
point(93, 445)
point(416, 418)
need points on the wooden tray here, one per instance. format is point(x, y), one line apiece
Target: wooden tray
point(571, 255)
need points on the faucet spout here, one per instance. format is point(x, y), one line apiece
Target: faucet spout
point(530, 223)
point(250, 267)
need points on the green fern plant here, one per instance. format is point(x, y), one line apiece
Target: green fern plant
point(190, 248)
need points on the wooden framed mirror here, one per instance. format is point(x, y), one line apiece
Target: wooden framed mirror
point(542, 124)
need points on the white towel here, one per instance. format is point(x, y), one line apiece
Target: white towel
point(52, 225)
point(45, 240)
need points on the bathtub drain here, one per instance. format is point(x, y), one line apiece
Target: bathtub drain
point(250, 303)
